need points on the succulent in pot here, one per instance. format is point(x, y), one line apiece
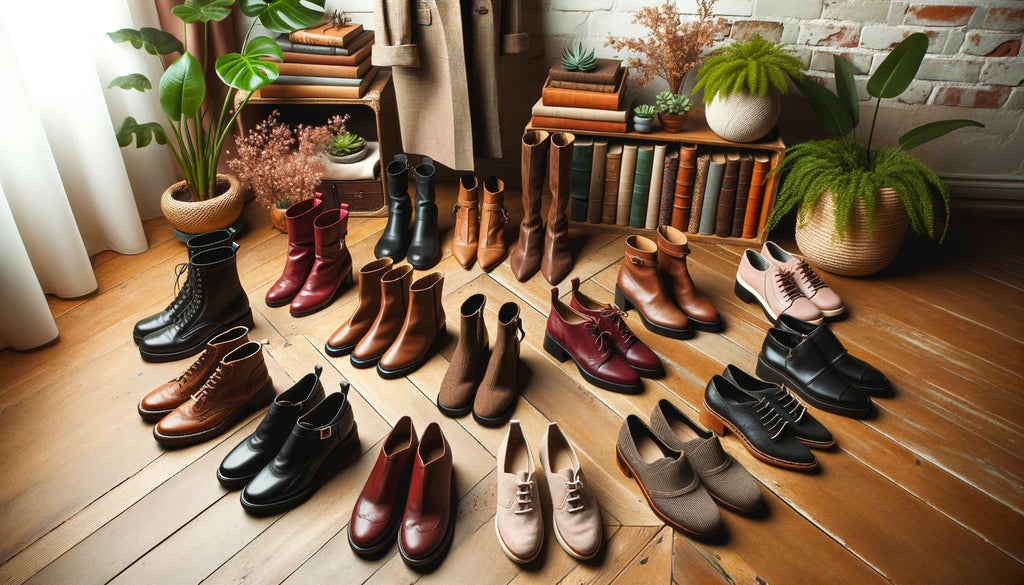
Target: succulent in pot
point(643, 116)
point(346, 147)
point(673, 109)
point(578, 59)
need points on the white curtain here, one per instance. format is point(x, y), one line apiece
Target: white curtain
point(67, 191)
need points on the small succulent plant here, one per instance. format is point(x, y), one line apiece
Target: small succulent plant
point(578, 59)
point(644, 111)
point(675, 104)
point(345, 144)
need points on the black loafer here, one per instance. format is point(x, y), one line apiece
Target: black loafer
point(794, 361)
point(805, 427)
point(860, 373)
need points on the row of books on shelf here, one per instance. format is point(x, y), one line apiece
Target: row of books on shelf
point(329, 60)
point(584, 100)
point(705, 190)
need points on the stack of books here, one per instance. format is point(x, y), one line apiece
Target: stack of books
point(583, 100)
point(329, 60)
point(643, 185)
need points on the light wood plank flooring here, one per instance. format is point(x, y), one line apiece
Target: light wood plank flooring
point(929, 491)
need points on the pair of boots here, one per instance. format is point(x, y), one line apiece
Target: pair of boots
point(396, 322)
point(422, 245)
point(318, 266)
point(210, 302)
point(555, 260)
point(492, 398)
point(654, 280)
point(479, 225)
point(229, 380)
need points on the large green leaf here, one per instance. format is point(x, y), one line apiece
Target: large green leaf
point(284, 16)
point(136, 81)
point(153, 40)
point(182, 88)
point(247, 72)
point(928, 132)
point(894, 75)
point(832, 116)
point(846, 88)
point(203, 10)
point(143, 133)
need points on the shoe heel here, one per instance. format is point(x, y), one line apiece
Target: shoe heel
point(621, 301)
point(743, 293)
point(711, 421)
point(551, 346)
point(347, 282)
point(622, 464)
point(245, 319)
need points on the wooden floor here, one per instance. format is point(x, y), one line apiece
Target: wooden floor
point(931, 491)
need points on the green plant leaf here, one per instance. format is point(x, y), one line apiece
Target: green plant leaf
point(182, 88)
point(894, 75)
point(284, 15)
point(203, 10)
point(831, 114)
point(153, 40)
point(143, 133)
point(846, 88)
point(136, 81)
point(247, 72)
point(929, 132)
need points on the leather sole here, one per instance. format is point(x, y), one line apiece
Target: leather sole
point(628, 471)
point(718, 423)
point(156, 358)
point(154, 416)
point(346, 449)
point(561, 354)
point(748, 295)
point(626, 304)
point(258, 400)
point(769, 373)
point(513, 556)
point(413, 366)
point(344, 285)
point(442, 548)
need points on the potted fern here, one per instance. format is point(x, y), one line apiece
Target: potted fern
point(206, 200)
point(673, 109)
point(643, 117)
point(743, 84)
point(855, 200)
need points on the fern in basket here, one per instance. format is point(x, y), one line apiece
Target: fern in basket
point(752, 66)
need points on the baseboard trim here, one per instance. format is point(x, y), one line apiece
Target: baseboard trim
point(986, 197)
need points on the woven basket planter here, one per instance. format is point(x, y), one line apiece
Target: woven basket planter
point(197, 217)
point(862, 251)
point(742, 117)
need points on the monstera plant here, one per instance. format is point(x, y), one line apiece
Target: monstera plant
point(199, 129)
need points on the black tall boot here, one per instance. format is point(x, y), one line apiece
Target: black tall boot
point(425, 248)
point(218, 303)
point(195, 244)
point(394, 241)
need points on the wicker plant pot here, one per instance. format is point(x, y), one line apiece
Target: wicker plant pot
point(742, 117)
point(197, 217)
point(673, 122)
point(862, 251)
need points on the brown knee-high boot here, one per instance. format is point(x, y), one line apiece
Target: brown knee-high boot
point(557, 260)
point(525, 256)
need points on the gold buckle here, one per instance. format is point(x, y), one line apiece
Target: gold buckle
point(326, 433)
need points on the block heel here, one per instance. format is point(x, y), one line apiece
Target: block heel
point(711, 421)
point(552, 347)
point(621, 301)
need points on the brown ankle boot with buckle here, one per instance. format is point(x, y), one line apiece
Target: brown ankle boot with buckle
point(493, 217)
point(459, 385)
point(467, 221)
point(638, 286)
point(675, 277)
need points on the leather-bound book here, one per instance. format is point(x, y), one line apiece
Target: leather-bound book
point(574, 98)
point(365, 38)
point(713, 188)
point(318, 91)
point(328, 35)
point(571, 124)
point(605, 72)
point(612, 164)
point(682, 195)
point(758, 180)
point(596, 198)
point(742, 192)
point(317, 80)
point(313, 70)
point(699, 182)
point(668, 186)
point(641, 185)
point(654, 192)
point(626, 174)
point(579, 189)
point(727, 196)
point(539, 109)
point(597, 87)
point(357, 57)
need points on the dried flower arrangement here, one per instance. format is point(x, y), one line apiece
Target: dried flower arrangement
point(674, 47)
point(283, 166)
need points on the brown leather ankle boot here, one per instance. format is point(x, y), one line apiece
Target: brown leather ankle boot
point(638, 286)
point(672, 252)
point(345, 338)
point(496, 399)
point(525, 256)
point(239, 385)
point(493, 217)
point(332, 264)
point(394, 300)
point(467, 221)
point(557, 259)
point(458, 387)
point(424, 324)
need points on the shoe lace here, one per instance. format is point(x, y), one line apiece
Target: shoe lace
point(809, 276)
point(211, 384)
point(617, 317)
point(787, 285)
point(774, 422)
point(181, 290)
point(602, 340)
point(194, 303)
point(195, 367)
point(523, 498)
point(575, 497)
point(790, 404)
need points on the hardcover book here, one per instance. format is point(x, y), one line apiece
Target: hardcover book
point(362, 40)
point(683, 193)
point(641, 185)
point(596, 87)
point(713, 188)
point(574, 98)
point(697, 201)
point(313, 70)
point(654, 192)
point(612, 164)
point(605, 72)
point(626, 173)
point(579, 190)
point(742, 191)
point(727, 196)
point(327, 34)
point(596, 198)
point(539, 109)
point(316, 80)
point(571, 124)
point(358, 56)
point(668, 186)
point(758, 182)
point(277, 90)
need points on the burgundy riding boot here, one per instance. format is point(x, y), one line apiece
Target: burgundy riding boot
point(332, 266)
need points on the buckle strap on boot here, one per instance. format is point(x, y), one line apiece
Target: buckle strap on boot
point(463, 204)
point(683, 251)
point(638, 261)
point(498, 207)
